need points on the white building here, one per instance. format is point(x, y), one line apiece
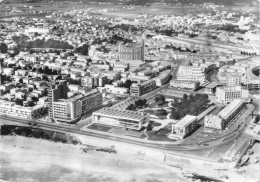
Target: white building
point(191, 73)
point(13, 110)
point(123, 118)
point(163, 78)
point(226, 95)
point(213, 122)
point(220, 120)
point(184, 127)
point(191, 85)
point(69, 110)
point(116, 90)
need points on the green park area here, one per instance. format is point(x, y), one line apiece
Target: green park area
point(192, 105)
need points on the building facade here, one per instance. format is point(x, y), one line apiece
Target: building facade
point(131, 52)
point(220, 120)
point(190, 85)
point(138, 89)
point(13, 110)
point(213, 122)
point(226, 95)
point(59, 90)
point(184, 127)
point(163, 78)
point(192, 74)
point(69, 110)
point(128, 119)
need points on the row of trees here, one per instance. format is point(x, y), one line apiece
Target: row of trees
point(115, 38)
point(50, 43)
point(159, 99)
point(188, 105)
point(247, 53)
point(23, 42)
point(46, 70)
point(231, 28)
point(83, 49)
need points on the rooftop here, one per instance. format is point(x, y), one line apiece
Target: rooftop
point(224, 113)
point(185, 121)
point(131, 115)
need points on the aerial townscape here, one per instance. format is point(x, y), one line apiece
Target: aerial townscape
point(130, 90)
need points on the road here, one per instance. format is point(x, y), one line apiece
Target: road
point(158, 145)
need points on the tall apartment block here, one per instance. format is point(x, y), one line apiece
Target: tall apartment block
point(70, 110)
point(132, 51)
point(57, 91)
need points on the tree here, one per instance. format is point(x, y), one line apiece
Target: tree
point(83, 49)
point(185, 97)
point(159, 99)
point(30, 104)
point(35, 99)
point(40, 70)
point(131, 107)
point(161, 112)
point(193, 108)
point(175, 114)
point(191, 97)
point(3, 48)
point(140, 102)
point(18, 101)
point(128, 84)
point(257, 118)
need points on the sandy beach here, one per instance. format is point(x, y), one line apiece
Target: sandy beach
point(29, 159)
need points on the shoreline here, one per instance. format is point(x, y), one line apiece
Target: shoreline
point(22, 153)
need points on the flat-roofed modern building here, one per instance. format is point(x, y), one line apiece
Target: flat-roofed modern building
point(226, 95)
point(231, 110)
point(191, 73)
point(123, 118)
point(11, 109)
point(69, 110)
point(213, 122)
point(163, 78)
point(87, 81)
point(220, 120)
point(131, 52)
point(138, 89)
point(59, 90)
point(190, 85)
point(184, 127)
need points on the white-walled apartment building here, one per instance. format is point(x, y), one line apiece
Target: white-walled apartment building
point(226, 95)
point(69, 110)
point(183, 127)
point(163, 78)
point(190, 85)
point(11, 109)
point(192, 74)
point(240, 73)
point(138, 89)
point(220, 120)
